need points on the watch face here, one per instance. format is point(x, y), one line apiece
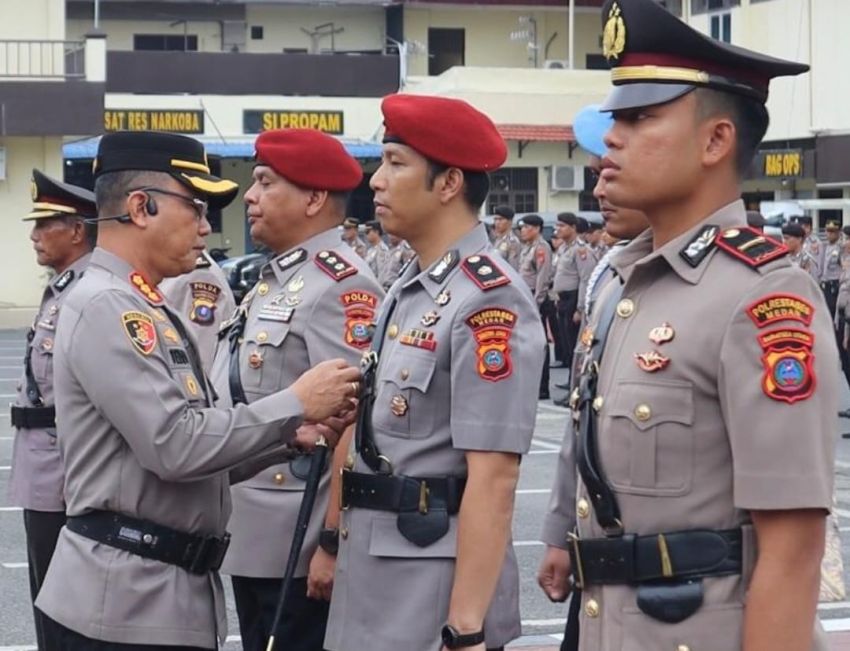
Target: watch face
point(449, 636)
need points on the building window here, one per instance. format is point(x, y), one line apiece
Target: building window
point(446, 49)
point(673, 6)
point(515, 187)
point(256, 32)
point(721, 27)
point(704, 6)
point(167, 42)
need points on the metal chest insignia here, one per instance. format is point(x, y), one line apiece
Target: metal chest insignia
point(443, 298)
point(430, 318)
point(651, 362)
point(255, 359)
point(399, 405)
point(662, 334)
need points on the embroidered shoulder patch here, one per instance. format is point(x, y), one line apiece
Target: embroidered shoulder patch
point(333, 264)
point(360, 309)
point(788, 361)
point(750, 246)
point(483, 272)
point(492, 328)
point(141, 285)
point(780, 307)
point(700, 246)
point(141, 331)
point(204, 299)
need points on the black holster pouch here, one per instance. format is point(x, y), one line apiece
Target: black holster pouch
point(423, 529)
point(670, 602)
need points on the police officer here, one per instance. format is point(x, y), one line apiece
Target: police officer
point(535, 267)
point(700, 510)
point(146, 456)
point(400, 254)
point(428, 500)
point(205, 298)
point(378, 253)
point(315, 300)
point(831, 269)
point(504, 239)
point(794, 238)
point(350, 236)
point(63, 242)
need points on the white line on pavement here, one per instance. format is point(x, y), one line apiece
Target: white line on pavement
point(834, 605)
point(543, 444)
point(24, 647)
point(527, 543)
point(15, 566)
point(8, 395)
point(543, 452)
point(844, 513)
point(552, 408)
point(533, 491)
point(842, 464)
point(833, 625)
point(540, 622)
point(10, 509)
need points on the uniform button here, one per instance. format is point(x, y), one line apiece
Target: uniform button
point(405, 374)
point(643, 413)
point(279, 478)
point(262, 336)
point(591, 608)
point(583, 508)
point(597, 403)
point(343, 533)
point(349, 462)
point(625, 308)
point(263, 289)
point(392, 331)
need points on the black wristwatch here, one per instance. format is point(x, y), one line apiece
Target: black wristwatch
point(454, 640)
point(329, 540)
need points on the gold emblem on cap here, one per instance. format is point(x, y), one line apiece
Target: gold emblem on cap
point(398, 405)
point(662, 334)
point(33, 191)
point(614, 34)
point(625, 308)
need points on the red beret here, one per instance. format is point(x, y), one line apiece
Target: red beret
point(447, 131)
point(309, 159)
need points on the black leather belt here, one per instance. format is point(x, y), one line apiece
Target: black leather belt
point(631, 559)
point(401, 494)
point(195, 554)
point(33, 417)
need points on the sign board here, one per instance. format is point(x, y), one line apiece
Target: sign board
point(173, 121)
point(254, 121)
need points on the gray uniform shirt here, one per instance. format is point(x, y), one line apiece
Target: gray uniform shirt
point(807, 262)
point(535, 267)
point(377, 257)
point(36, 479)
point(831, 269)
point(304, 310)
point(711, 429)
point(575, 264)
point(138, 438)
point(399, 255)
point(509, 247)
point(205, 299)
point(459, 370)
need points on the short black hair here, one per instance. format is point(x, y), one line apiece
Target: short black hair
point(749, 116)
point(476, 185)
point(89, 227)
point(111, 188)
point(374, 225)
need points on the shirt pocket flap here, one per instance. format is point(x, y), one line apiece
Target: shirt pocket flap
point(268, 334)
point(410, 371)
point(386, 541)
point(647, 404)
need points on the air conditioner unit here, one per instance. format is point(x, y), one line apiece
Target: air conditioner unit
point(558, 64)
point(566, 178)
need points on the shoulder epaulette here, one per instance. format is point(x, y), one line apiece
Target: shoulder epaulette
point(333, 264)
point(143, 287)
point(483, 272)
point(750, 246)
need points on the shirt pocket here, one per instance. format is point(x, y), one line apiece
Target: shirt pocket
point(262, 357)
point(716, 627)
point(402, 407)
point(181, 370)
point(387, 542)
point(41, 359)
point(647, 439)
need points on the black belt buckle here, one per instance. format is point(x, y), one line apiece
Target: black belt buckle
point(209, 554)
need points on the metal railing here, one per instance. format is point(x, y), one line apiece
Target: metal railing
point(42, 59)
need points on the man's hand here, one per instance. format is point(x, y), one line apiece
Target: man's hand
point(320, 578)
point(553, 576)
point(328, 389)
point(577, 317)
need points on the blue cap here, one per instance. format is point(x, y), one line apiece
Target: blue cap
point(589, 126)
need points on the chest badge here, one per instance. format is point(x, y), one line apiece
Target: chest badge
point(255, 359)
point(263, 288)
point(398, 405)
point(662, 334)
point(171, 335)
point(419, 339)
point(296, 285)
point(430, 318)
point(586, 337)
point(292, 301)
point(651, 362)
point(443, 298)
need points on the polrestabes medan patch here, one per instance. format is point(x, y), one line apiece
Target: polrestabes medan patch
point(483, 272)
point(780, 307)
point(750, 245)
point(141, 331)
point(492, 328)
point(333, 264)
point(788, 361)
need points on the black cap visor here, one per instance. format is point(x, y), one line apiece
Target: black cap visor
point(629, 96)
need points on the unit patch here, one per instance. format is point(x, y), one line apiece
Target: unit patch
point(334, 265)
point(141, 331)
point(780, 307)
point(204, 298)
point(699, 247)
point(359, 317)
point(483, 272)
point(141, 285)
point(441, 270)
point(492, 329)
point(788, 364)
point(750, 245)
point(419, 339)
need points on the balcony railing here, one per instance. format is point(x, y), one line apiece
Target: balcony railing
point(36, 60)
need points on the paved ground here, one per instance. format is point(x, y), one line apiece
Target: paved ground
point(542, 621)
